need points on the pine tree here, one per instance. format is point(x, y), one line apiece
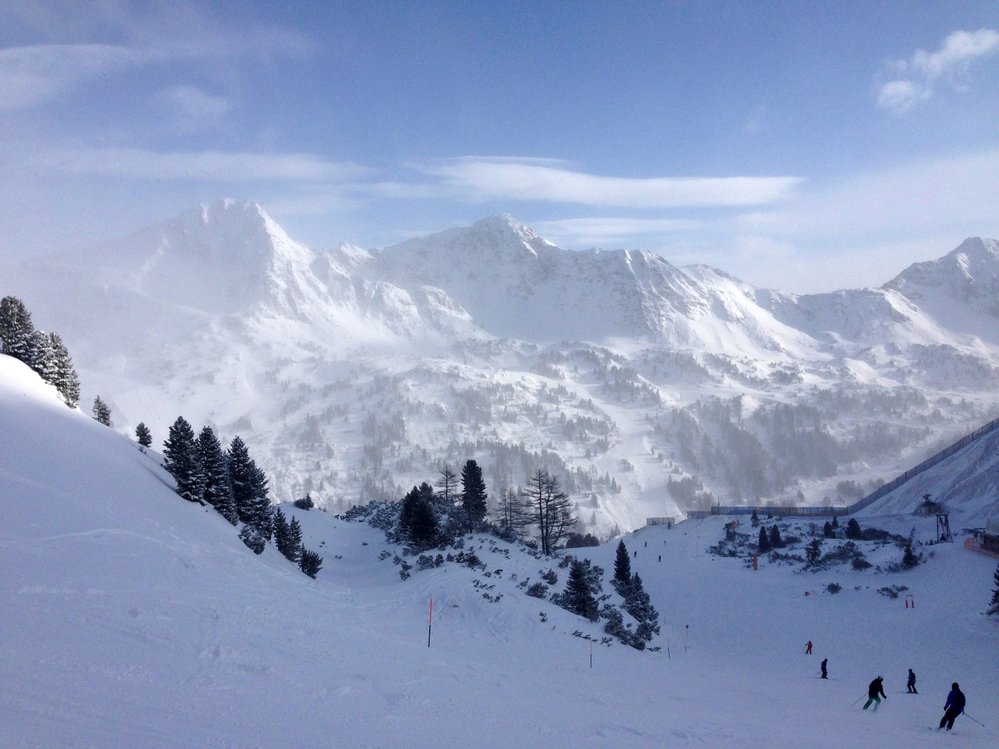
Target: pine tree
point(639, 605)
point(101, 411)
point(776, 542)
point(215, 472)
point(67, 381)
point(282, 535)
point(295, 540)
point(622, 567)
point(16, 329)
point(143, 436)
point(909, 559)
point(417, 521)
point(763, 545)
point(473, 493)
point(853, 529)
point(813, 551)
point(310, 562)
point(180, 459)
point(754, 519)
point(249, 488)
point(995, 591)
point(42, 356)
point(578, 597)
point(827, 530)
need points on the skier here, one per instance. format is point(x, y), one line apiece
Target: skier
point(808, 648)
point(954, 707)
point(825, 674)
point(911, 683)
point(875, 691)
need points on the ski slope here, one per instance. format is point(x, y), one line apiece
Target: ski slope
point(132, 618)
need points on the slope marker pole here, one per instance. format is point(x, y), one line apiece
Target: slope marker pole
point(430, 621)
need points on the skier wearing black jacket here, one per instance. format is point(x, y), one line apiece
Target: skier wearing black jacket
point(954, 707)
point(875, 691)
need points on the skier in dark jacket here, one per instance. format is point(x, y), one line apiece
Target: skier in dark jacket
point(875, 691)
point(911, 683)
point(954, 707)
point(825, 674)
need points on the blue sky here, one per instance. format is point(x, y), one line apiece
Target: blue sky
point(800, 146)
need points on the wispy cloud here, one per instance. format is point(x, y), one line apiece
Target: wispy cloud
point(914, 80)
point(191, 109)
point(215, 166)
point(608, 232)
point(477, 178)
point(34, 75)
point(143, 34)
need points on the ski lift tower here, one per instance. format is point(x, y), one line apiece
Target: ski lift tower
point(943, 527)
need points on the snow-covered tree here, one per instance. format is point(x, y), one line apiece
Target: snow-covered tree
point(995, 592)
point(101, 411)
point(763, 545)
point(853, 529)
point(67, 381)
point(16, 329)
point(776, 542)
point(813, 551)
point(180, 459)
point(249, 488)
point(909, 559)
point(217, 491)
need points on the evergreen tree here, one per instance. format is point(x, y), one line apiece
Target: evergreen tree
point(776, 542)
point(101, 411)
point(67, 382)
point(42, 356)
point(180, 459)
point(813, 551)
point(853, 529)
point(295, 540)
point(215, 472)
point(995, 591)
point(754, 519)
point(827, 530)
point(249, 488)
point(622, 567)
point(16, 329)
point(639, 605)
point(909, 559)
point(835, 522)
point(473, 493)
point(310, 562)
point(143, 436)
point(417, 521)
point(763, 545)
point(578, 597)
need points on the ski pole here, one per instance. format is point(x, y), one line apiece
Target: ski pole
point(858, 699)
point(976, 721)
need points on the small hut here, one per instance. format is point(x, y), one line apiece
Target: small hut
point(929, 507)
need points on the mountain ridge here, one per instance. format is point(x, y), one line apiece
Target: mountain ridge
point(650, 388)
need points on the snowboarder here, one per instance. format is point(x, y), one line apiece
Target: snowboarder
point(825, 674)
point(808, 648)
point(954, 707)
point(660, 559)
point(911, 683)
point(875, 691)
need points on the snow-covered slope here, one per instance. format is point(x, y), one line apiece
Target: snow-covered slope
point(134, 618)
point(648, 388)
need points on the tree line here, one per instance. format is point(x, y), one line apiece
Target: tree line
point(43, 351)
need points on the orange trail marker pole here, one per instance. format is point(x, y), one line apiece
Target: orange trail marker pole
point(430, 621)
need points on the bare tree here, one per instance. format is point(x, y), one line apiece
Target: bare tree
point(550, 508)
point(514, 514)
point(447, 484)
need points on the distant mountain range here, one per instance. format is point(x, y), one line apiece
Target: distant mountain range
point(353, 374)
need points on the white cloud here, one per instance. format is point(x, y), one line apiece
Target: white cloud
point(915, 79)
point(611, 232)
point(477, 178)
point(214, 166)
point(192, 109)
point(34, 75)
